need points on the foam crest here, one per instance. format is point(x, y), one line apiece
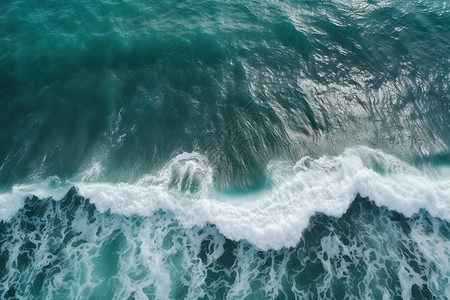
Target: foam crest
point(185, 172)
point(11, 202)
point(276, 218)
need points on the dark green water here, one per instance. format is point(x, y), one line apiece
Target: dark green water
point(225, 149)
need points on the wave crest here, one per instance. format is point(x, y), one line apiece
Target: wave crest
point(274, 218)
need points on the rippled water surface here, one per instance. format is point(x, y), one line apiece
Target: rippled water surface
point(225, 149)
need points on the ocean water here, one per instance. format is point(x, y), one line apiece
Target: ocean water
point(225, 149)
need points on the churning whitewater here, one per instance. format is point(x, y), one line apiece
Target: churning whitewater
point(225, 149)
point(270, 219)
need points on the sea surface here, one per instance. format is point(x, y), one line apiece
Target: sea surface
point(225, 149)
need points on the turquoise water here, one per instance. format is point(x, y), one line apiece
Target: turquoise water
point(225, 149)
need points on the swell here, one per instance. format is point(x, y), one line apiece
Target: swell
point(131, 87)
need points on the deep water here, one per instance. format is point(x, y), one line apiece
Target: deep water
point(129, 85)
point(225, 149)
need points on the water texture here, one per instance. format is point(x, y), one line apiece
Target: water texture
point(225, 149)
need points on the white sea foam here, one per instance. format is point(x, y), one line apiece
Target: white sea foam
point(275, 218)
point(11, 202)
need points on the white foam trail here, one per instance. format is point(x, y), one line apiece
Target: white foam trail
point(276, 218)
point(11, 202)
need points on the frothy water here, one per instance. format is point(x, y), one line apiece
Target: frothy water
point(225, 149)
point(275, 217)
point(67, 248)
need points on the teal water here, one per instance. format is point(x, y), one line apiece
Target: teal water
point(369, 252)
point(225, 149)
